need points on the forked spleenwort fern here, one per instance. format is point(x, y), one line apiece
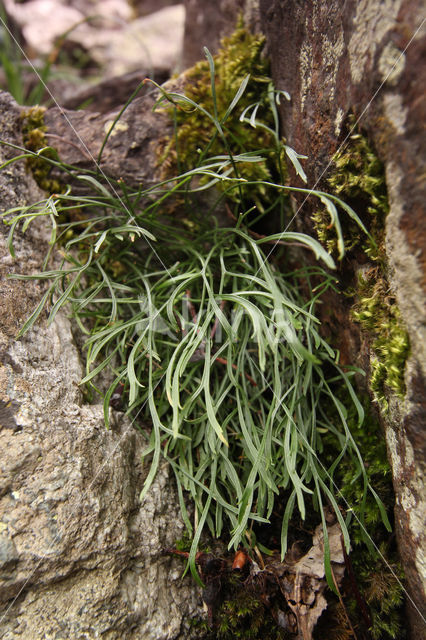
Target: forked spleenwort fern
point(212, 342)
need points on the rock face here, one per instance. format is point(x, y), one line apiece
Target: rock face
point(104, 34)
point(79, 555)
point(365, 57)
point(71, 525)
point(130, 152)
point(206, 23)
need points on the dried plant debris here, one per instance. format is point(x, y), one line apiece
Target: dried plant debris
point(302, 581)
point(292, 591)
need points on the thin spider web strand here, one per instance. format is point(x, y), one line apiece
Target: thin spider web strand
point(349, 507)
point(343, 143)
point(270, 252)
point(85, 147)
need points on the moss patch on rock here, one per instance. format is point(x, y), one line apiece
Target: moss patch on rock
point(196, 136)
point(34, 137)
point(358, 176)
point(377, 313)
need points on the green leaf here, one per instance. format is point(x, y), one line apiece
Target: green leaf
point(303, 238)
point(294, 159)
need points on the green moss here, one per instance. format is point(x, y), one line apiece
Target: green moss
point(377, 313)
point(383, 593)
point(33, 132)
point(358, 177)
point(184, 543)
point(372, 447)
point(241, 614)
point(240, 55)
point(378, 574)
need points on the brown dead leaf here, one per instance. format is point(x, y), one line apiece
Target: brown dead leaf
point(302, 581)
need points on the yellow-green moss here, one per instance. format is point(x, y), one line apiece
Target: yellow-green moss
point(358, 177)
point(377, 313)
point(33, 132)
point(240, 54)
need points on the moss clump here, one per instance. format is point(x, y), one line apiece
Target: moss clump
point(33, 132)
point(244, 616)
point(358, 176)
point(377, 313)
point(383, 593)
point(195, 133)
point(372, 447)
point(184, 543)
point(241, 614)
point(239, 55)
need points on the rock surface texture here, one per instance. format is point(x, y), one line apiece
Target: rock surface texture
point(130, 152)
point(206, 23)
point(365, 57)
point(104, 34)
point(76, 548)
point(80, 557)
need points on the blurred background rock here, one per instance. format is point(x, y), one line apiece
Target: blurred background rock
point(99, 50)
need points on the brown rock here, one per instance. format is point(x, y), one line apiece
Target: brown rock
point(207, 23)
point(130, 152)
point(145, 7)
point(110, 94)
point(364, 57)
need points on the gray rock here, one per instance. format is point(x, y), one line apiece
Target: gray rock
point(80, 556)
point(105, 31)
